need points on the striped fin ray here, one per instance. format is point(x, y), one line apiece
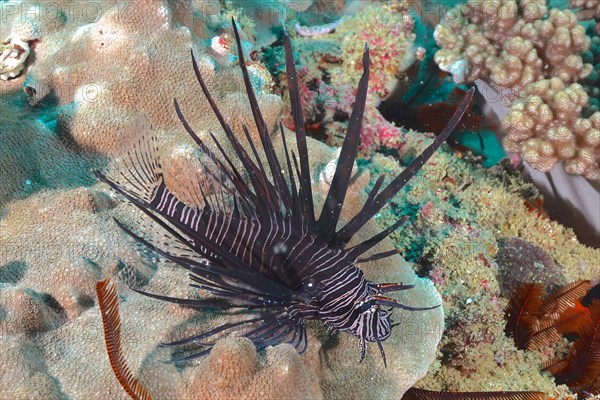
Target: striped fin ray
point(171, 214)
point(280, 185)
point(232, 174)
point(176, 246)
point(422, 394)
point(209, 233)
point(332, 207)
point(296, 207)
point(305, 191)
point(263, 292)
point(378, 200)
point(267, 329)
point(265, 194)
point(135, 164)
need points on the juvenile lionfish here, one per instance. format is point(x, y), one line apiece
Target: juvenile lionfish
point(258, 245)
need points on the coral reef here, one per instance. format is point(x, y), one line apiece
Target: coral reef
point(520, 261)
point(389, 30)
point(13, 54)
point(472, 231)
point(15, 48)
point(33, 156)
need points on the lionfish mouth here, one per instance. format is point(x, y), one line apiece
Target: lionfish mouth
point(257, 243)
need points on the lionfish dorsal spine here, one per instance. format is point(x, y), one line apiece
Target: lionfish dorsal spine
point(332, 207)
point(301, 144)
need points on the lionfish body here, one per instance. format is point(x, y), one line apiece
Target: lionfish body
point(257, 243)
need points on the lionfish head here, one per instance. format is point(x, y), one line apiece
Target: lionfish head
point(372, 324)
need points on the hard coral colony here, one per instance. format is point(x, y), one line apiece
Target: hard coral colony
point(259, 247)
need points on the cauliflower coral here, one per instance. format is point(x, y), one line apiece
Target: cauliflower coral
point(534, 57)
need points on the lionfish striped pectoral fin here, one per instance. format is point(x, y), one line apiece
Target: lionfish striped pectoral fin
point(266, 329)
point(135, 164)
point(243, 284)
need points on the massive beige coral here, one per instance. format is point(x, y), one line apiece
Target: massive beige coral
point(544, 125)
point(511, 44)
point(134, 58)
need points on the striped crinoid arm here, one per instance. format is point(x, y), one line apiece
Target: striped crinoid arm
point(422, 394)
point(580, 370)
point(522, 311)
point(109, 308)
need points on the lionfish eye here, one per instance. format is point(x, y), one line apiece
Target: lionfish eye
point(365, 306)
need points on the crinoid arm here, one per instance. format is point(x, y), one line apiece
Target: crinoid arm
point(108, 300)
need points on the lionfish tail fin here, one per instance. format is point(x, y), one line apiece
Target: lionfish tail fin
point(108, 301)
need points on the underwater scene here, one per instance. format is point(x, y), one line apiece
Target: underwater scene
point(300, 199)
